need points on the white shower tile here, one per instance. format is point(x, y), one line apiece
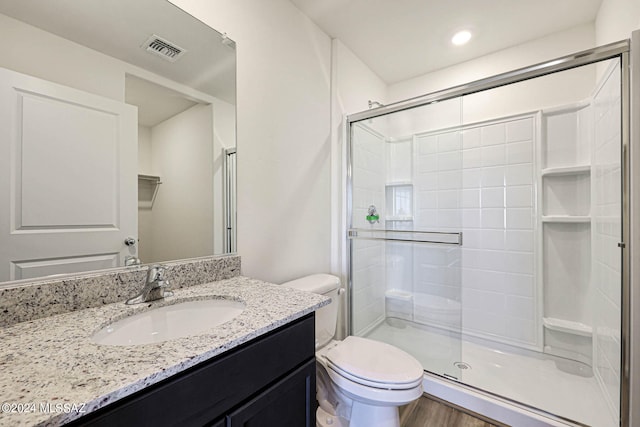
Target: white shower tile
point(470, 198)
point(471, 238)
point(449, 141)
point(519, 174)
point(448, 199)
point(427, 144)
point(486, 280)
point(493, 134)
point(427, 218)
point(493, 176)
point(520, 152)
point(471, 138)
point(492, 218)
point(492, 260)
point(520, 218)
point(427, 200)
point(518, 262)
point(519, 196)
point(471, 178)
point(451, 160)
point(520, 307)
point(427, 181)
point(520, 130)
point(472, 258)
point(519, 284)
point(476, 299)
point(472, 158)
point(521, 330)
point(493, 239)
point(519, 240)
point(471, 218)
point(481, 321)
point(450, 218)
point(493, 155)
point(427, 163)
point(493, 197)
point(450, 180)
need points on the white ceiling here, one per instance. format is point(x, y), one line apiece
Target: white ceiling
point(400, 39)
point(155, 103)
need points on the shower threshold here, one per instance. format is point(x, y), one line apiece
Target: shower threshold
point(567, 389)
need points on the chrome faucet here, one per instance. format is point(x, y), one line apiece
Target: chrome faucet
point(154, 288)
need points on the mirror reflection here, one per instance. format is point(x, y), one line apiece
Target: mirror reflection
point(117, 136)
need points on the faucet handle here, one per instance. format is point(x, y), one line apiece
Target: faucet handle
point(155, 272)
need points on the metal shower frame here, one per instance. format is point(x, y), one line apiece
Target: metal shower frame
point(621, 50)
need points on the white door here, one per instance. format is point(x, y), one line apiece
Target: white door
point(68, 179)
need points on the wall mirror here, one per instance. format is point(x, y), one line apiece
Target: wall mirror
point(117, 136)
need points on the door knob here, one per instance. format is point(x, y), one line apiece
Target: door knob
point(130, 241)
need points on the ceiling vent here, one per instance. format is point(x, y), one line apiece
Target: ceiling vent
point(163, 48)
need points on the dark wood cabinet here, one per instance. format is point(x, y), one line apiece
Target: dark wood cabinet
point(269, 381)
point(286, 403)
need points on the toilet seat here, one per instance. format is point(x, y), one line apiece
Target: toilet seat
point(373, 364)
point(374, 395)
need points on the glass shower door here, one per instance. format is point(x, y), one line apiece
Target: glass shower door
point(405, 232)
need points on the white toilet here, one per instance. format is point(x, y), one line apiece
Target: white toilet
point(360, 382)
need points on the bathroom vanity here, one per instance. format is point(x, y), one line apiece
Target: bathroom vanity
point(258, 368)
point(269, 381)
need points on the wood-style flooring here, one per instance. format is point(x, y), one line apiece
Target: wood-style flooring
point(430, 412)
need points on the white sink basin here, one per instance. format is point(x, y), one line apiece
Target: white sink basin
point(169, 322)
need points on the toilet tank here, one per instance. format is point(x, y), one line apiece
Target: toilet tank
point(327, 316)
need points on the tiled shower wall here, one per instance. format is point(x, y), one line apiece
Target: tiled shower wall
point(368, 261)
point(480, 181)
point(606, 229)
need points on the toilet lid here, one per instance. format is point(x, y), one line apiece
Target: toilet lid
point(374, 362)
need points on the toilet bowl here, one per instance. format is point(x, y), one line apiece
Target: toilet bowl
point(360, 382)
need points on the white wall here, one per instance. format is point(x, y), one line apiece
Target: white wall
point(356, 84)
point(44, 55)
point(284, 147)
point(182, 155)
point(353, 84)
point(616, 20)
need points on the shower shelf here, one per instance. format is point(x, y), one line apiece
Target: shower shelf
point(567, 218)
point(567, 326)
point(567, 170)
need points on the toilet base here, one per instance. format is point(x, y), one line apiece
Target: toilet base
point(325, 419)
point(363, 415)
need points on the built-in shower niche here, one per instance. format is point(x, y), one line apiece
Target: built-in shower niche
point(399, 202)
point(567, 136)
point(567, 291)
point(567, 195)
point(565, 208)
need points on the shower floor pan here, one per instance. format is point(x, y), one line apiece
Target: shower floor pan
point(523, 376)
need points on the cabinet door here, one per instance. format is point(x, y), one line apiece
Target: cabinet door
point(289, 402)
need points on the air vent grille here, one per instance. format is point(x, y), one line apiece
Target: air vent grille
point(163, 48)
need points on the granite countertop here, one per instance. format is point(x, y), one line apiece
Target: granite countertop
point(52, 372)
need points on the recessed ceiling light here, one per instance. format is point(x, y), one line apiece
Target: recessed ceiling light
point(461, 37)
